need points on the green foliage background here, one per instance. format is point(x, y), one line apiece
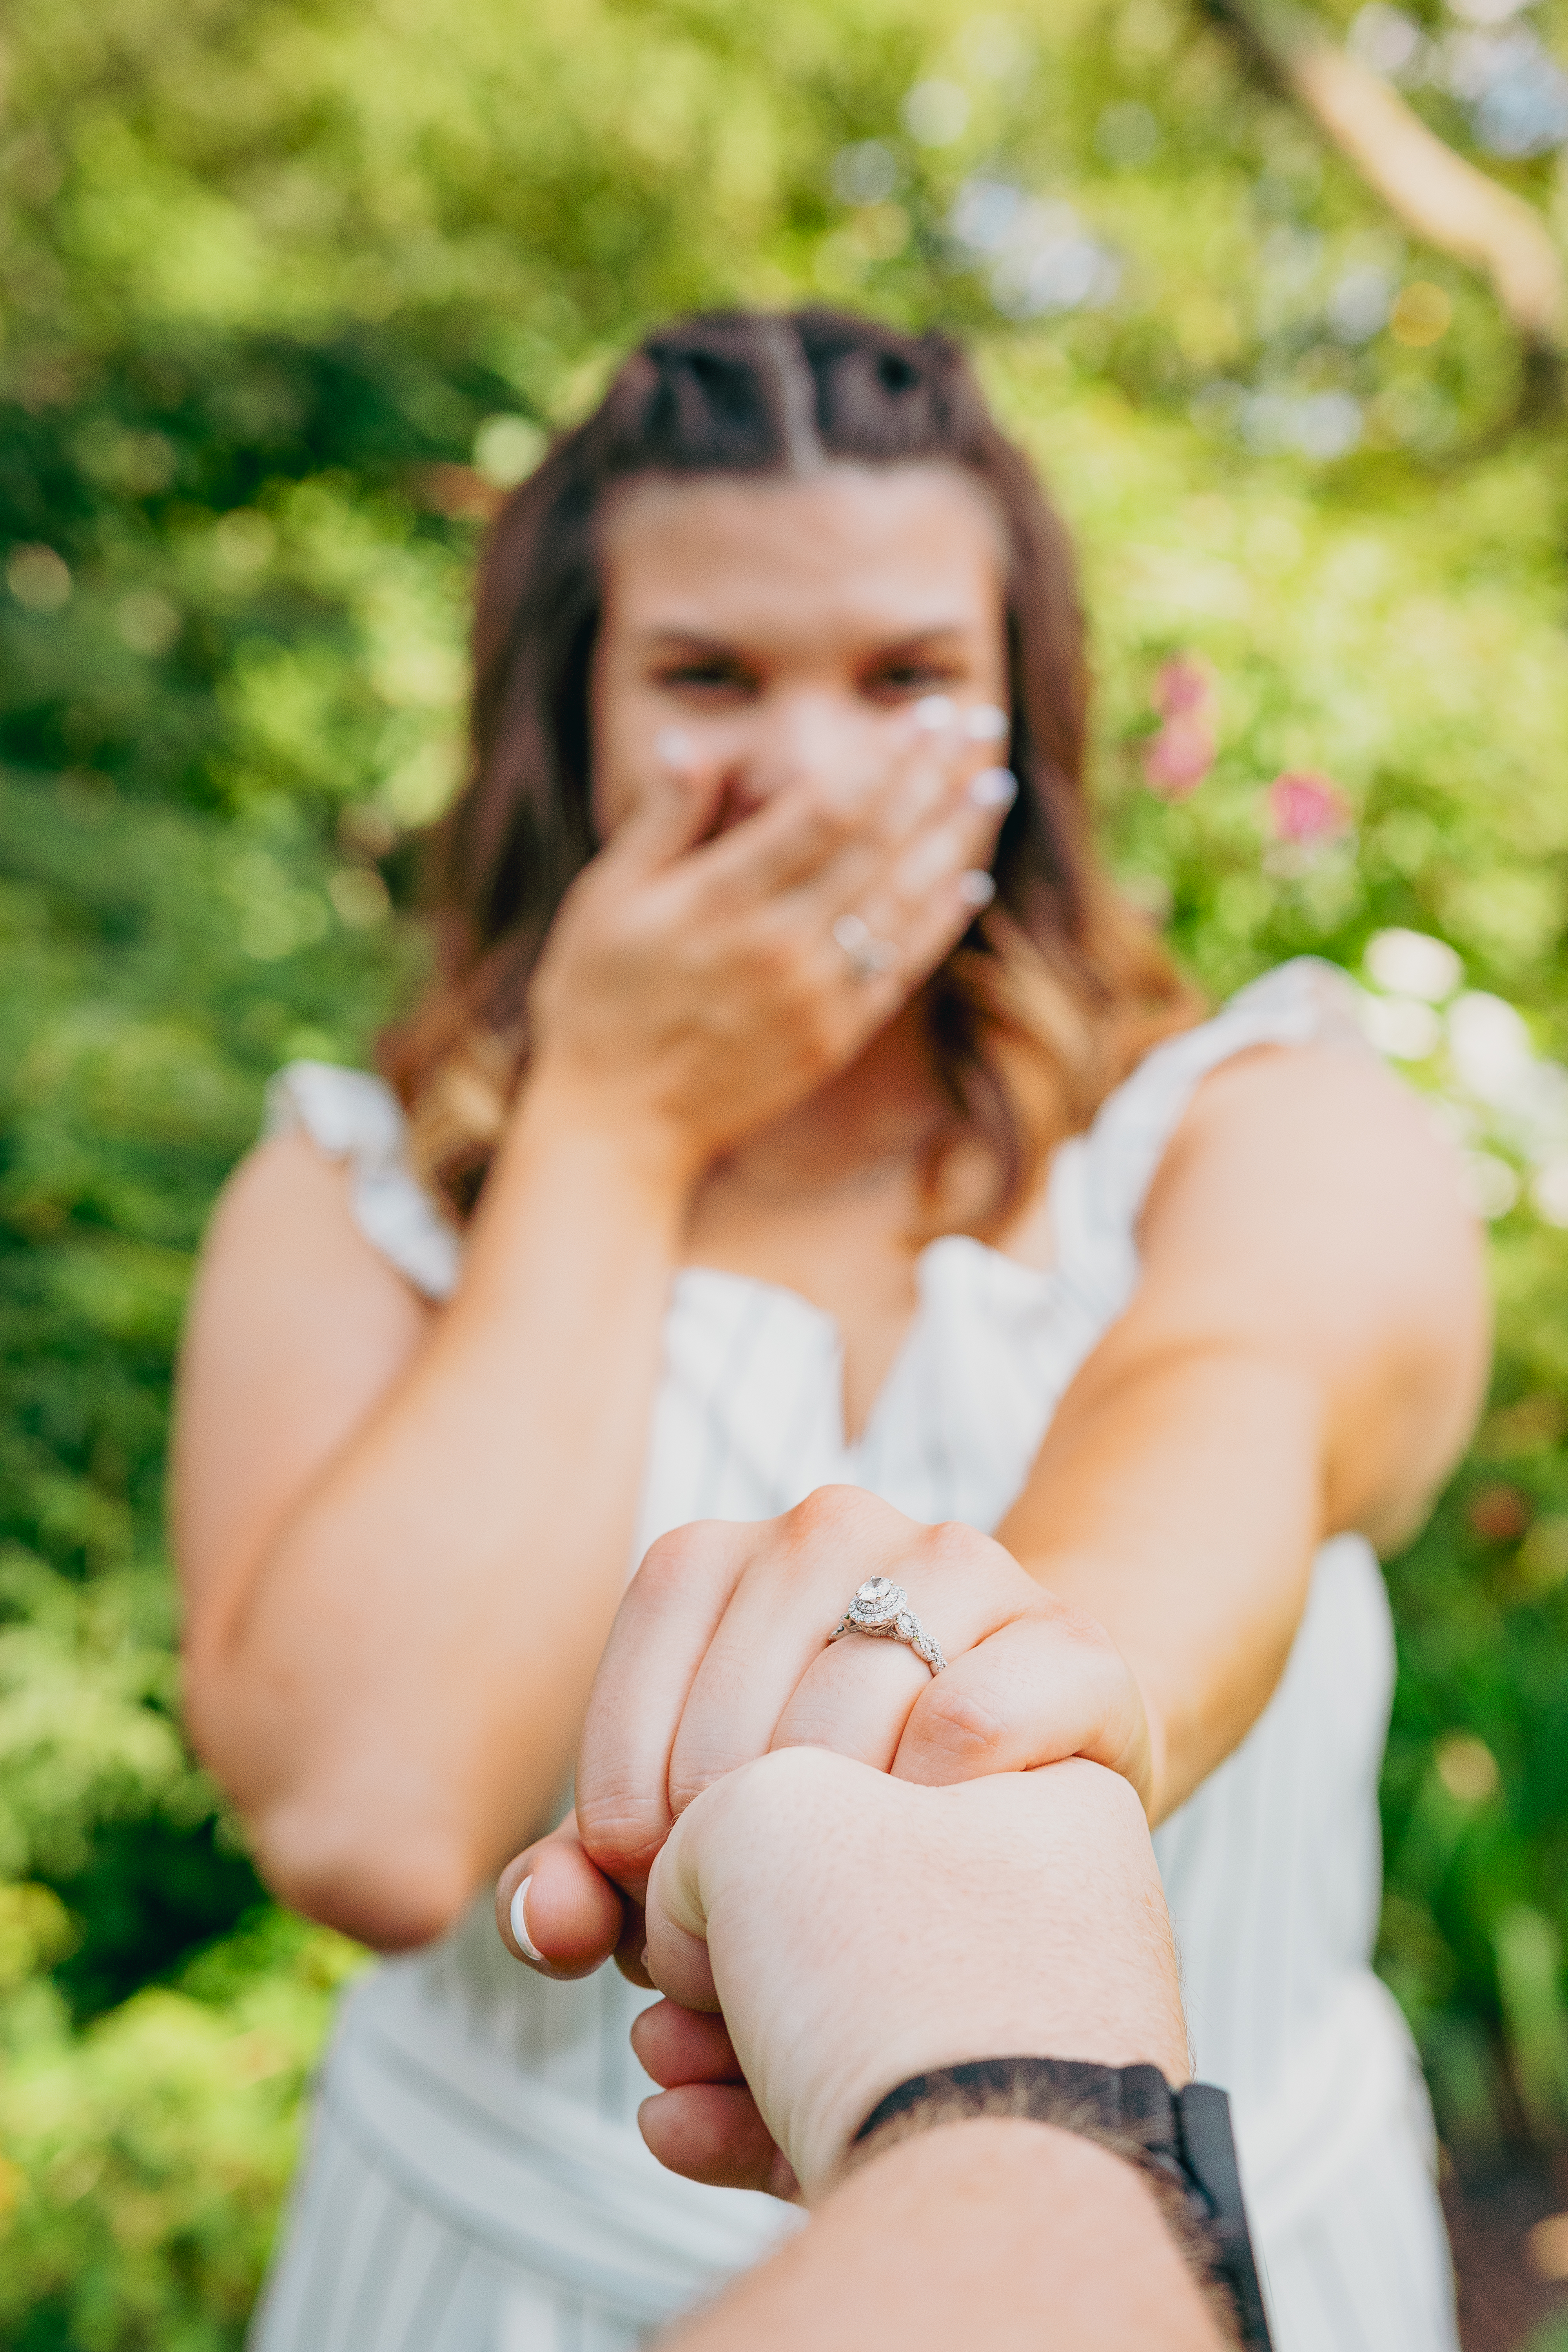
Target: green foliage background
point(274, 277)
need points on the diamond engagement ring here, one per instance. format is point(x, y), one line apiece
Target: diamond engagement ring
point(882, 1608)
point(869, 956)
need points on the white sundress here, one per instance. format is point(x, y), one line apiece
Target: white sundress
point(476, 2182)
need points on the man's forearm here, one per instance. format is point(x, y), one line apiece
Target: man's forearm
point(996, 2232)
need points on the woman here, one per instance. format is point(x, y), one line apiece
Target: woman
point(793, 1107)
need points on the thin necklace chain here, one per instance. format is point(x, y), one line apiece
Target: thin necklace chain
point(868, 1178)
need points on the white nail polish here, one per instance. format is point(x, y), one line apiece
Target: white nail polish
point(985, 723)
point(976, 888)
point(934, 712)
point(994, 788)
point(517, 1915)
point(675, 748)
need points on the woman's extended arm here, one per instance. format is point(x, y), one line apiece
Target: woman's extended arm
point(404, 1536)
point(1305, 1354)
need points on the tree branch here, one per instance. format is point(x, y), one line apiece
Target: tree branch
point(1440, 197)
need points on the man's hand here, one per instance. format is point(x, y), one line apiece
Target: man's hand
point(857, 1930)
point(720, 1653)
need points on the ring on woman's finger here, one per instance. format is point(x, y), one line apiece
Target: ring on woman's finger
point(869, 956)
point(882, 1608)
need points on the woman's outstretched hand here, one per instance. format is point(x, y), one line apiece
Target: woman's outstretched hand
point(720, 1654)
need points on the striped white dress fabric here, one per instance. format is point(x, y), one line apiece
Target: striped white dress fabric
point(475, 2182)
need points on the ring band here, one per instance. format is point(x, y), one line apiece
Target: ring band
point(882, 1608)
point(869, 956)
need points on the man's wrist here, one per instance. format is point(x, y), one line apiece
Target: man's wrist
point(1180, 2143)
point(1006, 2231)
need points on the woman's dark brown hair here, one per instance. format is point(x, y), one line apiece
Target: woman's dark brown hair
point(1054, 991)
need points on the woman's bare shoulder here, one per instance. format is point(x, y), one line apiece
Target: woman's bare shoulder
point(1311, 1210)
point(288, 1210)
point(1315, 1148)
point(1292, 1113)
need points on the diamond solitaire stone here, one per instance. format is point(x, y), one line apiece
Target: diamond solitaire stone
point(882, 1608)
point(877, 1601)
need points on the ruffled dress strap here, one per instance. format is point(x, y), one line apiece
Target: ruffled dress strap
point(351, 1116)
point(1101, 1180)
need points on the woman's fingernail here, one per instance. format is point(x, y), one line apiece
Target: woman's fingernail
point(976, 888)
point(517, 1915)
point(985, 723)
point(934, 712)
point(994, 788)
point(642, 1962)
point(675, 748)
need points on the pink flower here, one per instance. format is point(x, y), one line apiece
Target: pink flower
point(1183, 688)
point(1179, 757)
point(1304, 806)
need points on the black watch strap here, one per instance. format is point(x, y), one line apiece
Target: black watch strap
point(1184, 2135)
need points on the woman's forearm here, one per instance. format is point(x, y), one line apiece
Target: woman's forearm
point(1181, 1507)
point(393, 1692)
point(1303, 1354)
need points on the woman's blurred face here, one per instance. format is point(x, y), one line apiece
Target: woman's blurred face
point(777, 622)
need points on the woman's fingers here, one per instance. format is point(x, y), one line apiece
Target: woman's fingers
point(1045, 1687)
point(678, 2045)
point(631, 1952)
point(662, 1630)
point(704, 1657)
point(774, 1635)
point(719, 1651)
point(678, 809)
point(884, 916)
point(856, 1694)
point(854, 1698)
point(790, 839)
point(713, 2132)
point(556, 1913)
point(889, 882)
point(824, 816)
